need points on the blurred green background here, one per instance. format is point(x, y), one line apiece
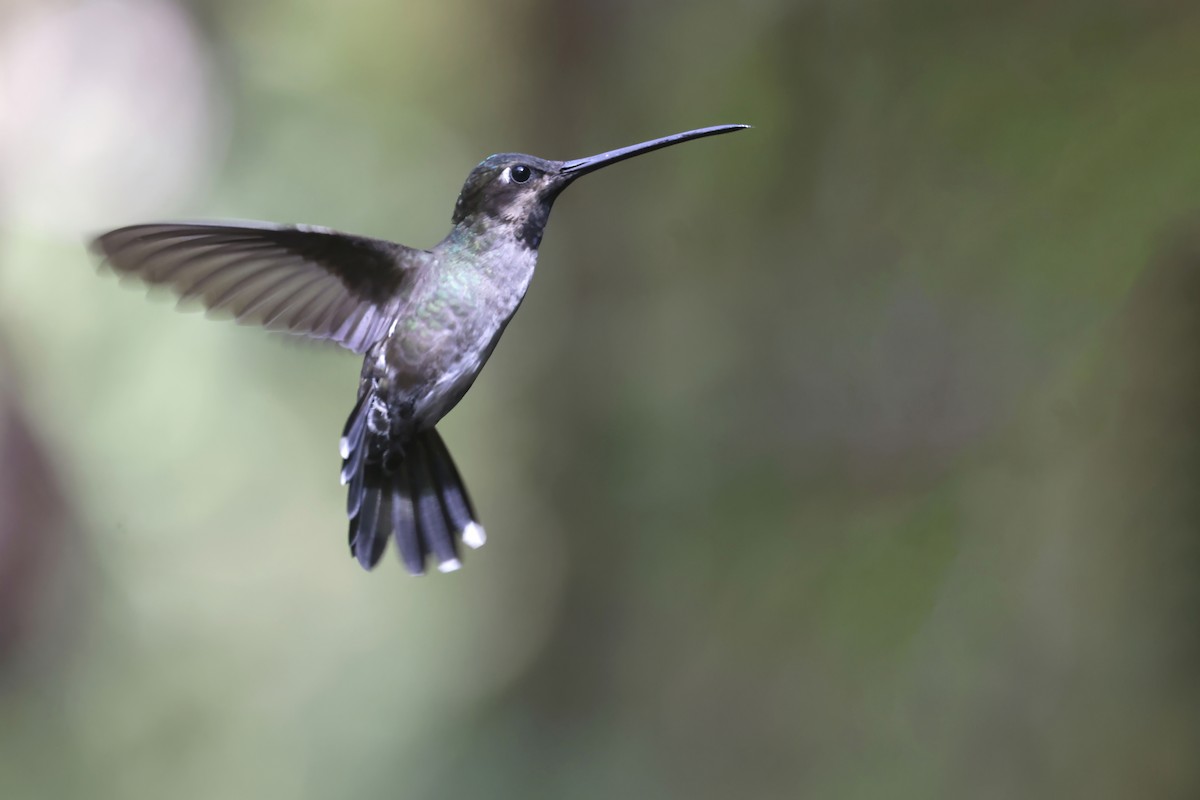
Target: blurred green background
point(853, 456)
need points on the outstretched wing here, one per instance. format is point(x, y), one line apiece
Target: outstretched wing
point(305, 280)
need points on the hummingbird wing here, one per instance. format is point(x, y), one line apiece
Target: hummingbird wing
point(301, 279)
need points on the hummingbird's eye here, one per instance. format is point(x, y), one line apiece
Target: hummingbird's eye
point(520, 173)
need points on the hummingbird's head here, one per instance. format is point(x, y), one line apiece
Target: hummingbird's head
point(512, 190)
point(516, 191)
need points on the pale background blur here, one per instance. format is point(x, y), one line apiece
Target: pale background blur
point(853, 456)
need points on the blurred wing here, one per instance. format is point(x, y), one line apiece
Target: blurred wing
point(305, 280)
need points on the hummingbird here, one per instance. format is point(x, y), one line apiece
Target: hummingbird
point(425, 321)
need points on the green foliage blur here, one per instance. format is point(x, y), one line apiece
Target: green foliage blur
point(852, 456)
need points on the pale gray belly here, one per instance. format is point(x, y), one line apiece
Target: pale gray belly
point(432, 357)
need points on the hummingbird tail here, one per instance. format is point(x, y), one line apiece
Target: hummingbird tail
point(412, 492)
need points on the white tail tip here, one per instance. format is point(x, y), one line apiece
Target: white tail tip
point(450, 565)
point(344, 447)
point(473, 536)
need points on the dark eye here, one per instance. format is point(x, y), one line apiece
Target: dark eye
point(520, 173)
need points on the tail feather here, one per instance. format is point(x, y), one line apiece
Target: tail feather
point(356, 489)
point(353, 448)
point(404, 524)
point(368, 548)
point(356, 423)
point(379, 543)
point(432, 524)
point(407, 490)
point(456, 504)
point(352, 465)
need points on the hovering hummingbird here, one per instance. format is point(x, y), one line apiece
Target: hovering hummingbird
point(426, 320)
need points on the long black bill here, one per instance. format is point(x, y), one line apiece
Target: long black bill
point(582, 166)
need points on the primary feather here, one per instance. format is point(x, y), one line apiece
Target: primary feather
point(304, 280)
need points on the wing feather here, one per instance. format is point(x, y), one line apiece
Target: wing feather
point(306, 293)
point(305, 280)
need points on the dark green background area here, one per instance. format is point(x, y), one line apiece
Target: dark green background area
point(852, 456)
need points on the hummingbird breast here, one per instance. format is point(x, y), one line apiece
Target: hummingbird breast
point(446, 329)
